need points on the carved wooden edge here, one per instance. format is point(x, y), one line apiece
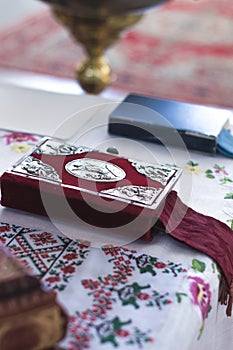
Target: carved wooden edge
point(30, 317)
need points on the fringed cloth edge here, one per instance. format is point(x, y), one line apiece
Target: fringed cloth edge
point(204, 233)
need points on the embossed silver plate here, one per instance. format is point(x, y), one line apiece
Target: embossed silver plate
point(95, 170)
point(156, 172)
point(140, 194)
point(54, 147)
point(35, 167)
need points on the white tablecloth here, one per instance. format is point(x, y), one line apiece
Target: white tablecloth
point(146, 295)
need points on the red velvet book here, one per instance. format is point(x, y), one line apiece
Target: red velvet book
point(97, 189)
point(129, 197)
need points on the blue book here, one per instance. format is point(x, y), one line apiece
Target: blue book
point(169, 122)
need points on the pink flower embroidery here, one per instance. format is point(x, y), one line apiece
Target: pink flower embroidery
point(19, 137)
point(201, 295)
point(221, 171)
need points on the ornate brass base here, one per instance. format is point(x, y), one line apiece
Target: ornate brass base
point(95, 34)
point(94, 74)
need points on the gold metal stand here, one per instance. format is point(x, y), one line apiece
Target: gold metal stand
point(96, 35)
point(97, 24)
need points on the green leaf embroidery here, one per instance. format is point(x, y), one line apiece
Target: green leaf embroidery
point(60, 287)
point(218, 167)
point(213, 267)
point(191, 163)
point(179, 296)
point(209, 174)
point(231, 223)
point(198, 265)
point(107, 330)
point(201, 330)
point(225, 180)
point(229, 195)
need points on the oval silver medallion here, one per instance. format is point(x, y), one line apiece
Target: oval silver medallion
point(95, 170)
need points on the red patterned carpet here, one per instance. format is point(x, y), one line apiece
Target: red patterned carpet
point(182, 50)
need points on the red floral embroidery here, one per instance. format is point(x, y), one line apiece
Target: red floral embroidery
point(45, 255)
point(160, 265)
point(68, 269)
point(70, 256)
point(5, 228)
point(113, 251)
point(83, 245)
point(53, 279)
point(66, 266)
point(122, 333)
point(89, 283)
point(15, 248)
point(143, 296)
point(2, 239)
point(42, 238)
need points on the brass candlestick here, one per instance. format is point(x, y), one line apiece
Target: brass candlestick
point(97, 24)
